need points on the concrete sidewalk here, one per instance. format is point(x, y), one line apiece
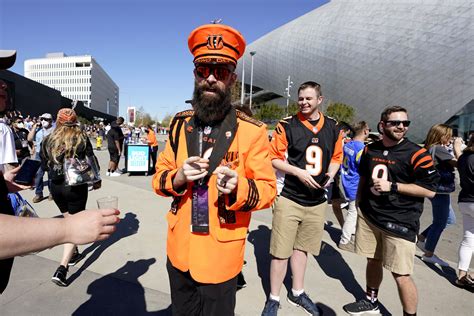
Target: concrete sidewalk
point(126, 274)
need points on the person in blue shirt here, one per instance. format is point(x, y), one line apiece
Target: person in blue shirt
point(350, 180)
point(36, 135)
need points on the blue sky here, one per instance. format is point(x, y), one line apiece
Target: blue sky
point(141, 44)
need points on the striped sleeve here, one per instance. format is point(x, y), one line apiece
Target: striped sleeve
point(421, 159)
point(279, 143)
point(338, 146)
point(424, 170)
point(166, 170)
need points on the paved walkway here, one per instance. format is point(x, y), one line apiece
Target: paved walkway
point(126, 274)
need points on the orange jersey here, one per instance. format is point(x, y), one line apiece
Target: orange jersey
point(151, 137)
point(218, 256)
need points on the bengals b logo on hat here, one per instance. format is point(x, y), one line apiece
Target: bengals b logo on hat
point(216, 43)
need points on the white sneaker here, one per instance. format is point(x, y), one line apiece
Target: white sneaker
point(107, 174)
point(435, 260)
point(115, 174)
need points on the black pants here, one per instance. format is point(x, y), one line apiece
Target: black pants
point(153, 154)
point(5, 269)
point(191, 298)
point(5, 208)
point(69, 199)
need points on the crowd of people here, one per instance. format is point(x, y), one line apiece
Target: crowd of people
point(36, 233)
point(218, 166)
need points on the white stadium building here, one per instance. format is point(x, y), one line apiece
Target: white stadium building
point(374, 53)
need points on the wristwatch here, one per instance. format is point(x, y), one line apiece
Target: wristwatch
point(394, 187)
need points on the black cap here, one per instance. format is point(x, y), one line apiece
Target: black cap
point(7, 58)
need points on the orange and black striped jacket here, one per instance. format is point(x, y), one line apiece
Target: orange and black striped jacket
point(218, 256)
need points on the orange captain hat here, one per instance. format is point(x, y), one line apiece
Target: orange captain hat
point(216, 44)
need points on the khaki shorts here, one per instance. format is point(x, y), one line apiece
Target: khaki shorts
point(397, 254)
point(296, 227)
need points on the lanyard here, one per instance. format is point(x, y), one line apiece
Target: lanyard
point(201, 181)
point(200, 141)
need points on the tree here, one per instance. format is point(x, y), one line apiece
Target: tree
point(269, 112)
point(165, 122)
point(293, 108)
point(236, 90)
point(341, 112)
point(83, 120)
point(143, 118)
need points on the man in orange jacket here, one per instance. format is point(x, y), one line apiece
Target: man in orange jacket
point(216, 166)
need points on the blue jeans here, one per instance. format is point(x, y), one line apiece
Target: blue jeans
point(441, 205)
point(39, 180)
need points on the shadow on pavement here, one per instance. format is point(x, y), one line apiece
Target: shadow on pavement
point(334, 266)
point(334, 233)
point(126, 227)
point(326, 310)
point(446, 272)
point(260, 238)
point(111, 295)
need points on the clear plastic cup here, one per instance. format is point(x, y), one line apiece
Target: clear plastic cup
point(108, 202)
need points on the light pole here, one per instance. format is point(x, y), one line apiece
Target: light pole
point(287, 92)
point(242, 94)
point(251, 78)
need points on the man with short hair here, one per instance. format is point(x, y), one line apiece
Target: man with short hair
point(115, 140)
point(334, 195)
point(37, 134)
point(350, 181)
point(313, 144)
point(217, 168)
point(395, 177)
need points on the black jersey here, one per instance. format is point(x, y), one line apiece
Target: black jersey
point(405, 162)
point(310, 147)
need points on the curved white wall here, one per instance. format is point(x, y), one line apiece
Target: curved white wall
point(369, 54)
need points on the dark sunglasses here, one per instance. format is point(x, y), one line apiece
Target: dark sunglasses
point(45, 119)
point(396, 123)
point(220, 73)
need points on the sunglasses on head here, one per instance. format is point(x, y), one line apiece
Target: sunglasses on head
point(397, 122)
point(220, 73)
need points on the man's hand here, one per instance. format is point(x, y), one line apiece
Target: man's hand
point(381, 185)
point(194, 168)
point(11, 185)
point(457, 146)
point(307, 179)
point(89, 226)
point(227, 179)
